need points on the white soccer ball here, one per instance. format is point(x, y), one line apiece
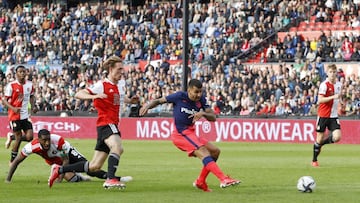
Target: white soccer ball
point(306, 184)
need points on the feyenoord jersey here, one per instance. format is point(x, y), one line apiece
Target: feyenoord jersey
point(329, 109)
point(58, 148)
point(18, 95)
point(108, 108)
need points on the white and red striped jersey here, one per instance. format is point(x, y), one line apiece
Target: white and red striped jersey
point(58, 149)
point(109, 107)
point(18, 95)
point(329, 109)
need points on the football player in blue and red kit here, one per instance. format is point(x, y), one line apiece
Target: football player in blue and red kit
point(189, 107)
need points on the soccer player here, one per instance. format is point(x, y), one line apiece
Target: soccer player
point(107, 95)
point(189, 107)
point(18, 94)
point(329, 94)
point(55, 150)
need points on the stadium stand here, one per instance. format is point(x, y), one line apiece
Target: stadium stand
point(243, 73)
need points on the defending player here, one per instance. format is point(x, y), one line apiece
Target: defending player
point(189, 107)
point(329, 94)
point(108, 96)
point(55, 150)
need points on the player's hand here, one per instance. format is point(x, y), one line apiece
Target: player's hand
point(336, 96)
point(143, 110)
point(197, 116)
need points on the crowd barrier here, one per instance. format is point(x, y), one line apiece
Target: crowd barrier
point(223, 130)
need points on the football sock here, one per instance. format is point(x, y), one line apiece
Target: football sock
point(316, 150)
point(203, 174)
point(75, 178)
point(82, 166)
point(13, 155)
point(113, 162)
point(329, 140)
point(99, 174)
point(211, 165)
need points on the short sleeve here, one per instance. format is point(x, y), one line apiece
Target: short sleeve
point(97, 88)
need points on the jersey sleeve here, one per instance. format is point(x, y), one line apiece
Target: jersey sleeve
point(65, 148)
point(27, 149)
point(8, 91)
point(322, 89)
point(97, 88)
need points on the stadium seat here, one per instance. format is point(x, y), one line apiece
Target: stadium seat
point(312, 19)
point(293, 29)
point(327, 25)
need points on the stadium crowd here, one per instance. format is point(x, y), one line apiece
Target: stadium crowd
point(77, 40)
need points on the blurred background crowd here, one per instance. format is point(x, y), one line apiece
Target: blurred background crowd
point(63, 49)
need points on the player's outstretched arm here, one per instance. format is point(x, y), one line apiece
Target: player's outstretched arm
point(151, 105)
point(209, 114)
point(13, 166)
point(85, 94)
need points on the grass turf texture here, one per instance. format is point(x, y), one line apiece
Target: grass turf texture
point(162, 173)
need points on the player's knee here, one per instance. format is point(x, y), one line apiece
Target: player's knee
point(117, 150)
point(336, 138)
point(94, 167)
point(215, 153)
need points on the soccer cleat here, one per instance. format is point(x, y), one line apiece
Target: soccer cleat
point(126, 179)
point(202, 186)
point(114, 183)
point(8, 140)
point(229, 182)
point(54, 174)
point(315, 164)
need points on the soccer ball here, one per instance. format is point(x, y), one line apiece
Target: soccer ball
point(306, 184)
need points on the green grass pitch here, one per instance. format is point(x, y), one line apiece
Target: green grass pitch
point(269, 173)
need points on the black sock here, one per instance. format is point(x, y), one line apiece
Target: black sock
point(113, 162)
point(329, 140)
point(82, 166)
point(316, 150)
point(99, 174)
point(13, 156)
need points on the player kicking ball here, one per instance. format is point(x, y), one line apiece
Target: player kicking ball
point(189, 107)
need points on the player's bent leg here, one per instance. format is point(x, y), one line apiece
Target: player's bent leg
point(213, 150)
point(9, 139)
point(336, 135)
